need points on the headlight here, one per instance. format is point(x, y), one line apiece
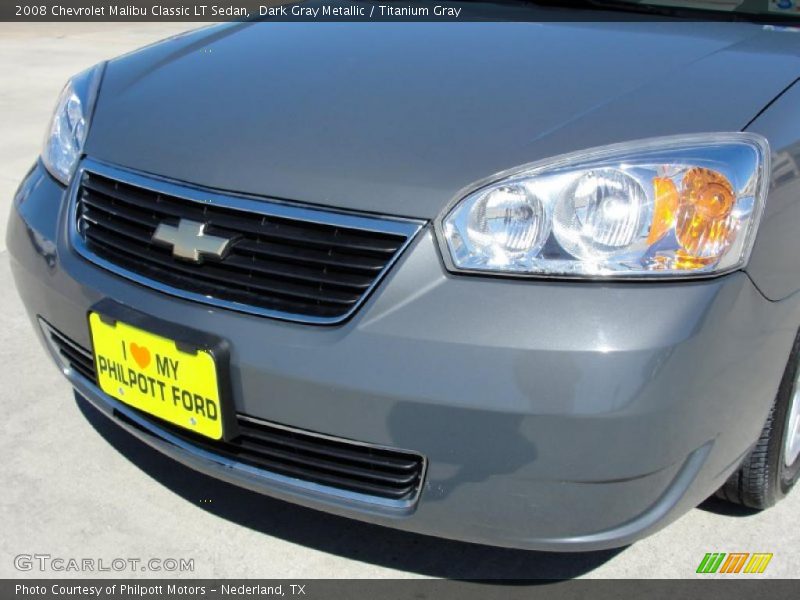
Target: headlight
point(63, 143)
point(677, 206)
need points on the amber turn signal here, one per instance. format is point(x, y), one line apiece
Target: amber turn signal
point(666, 207)
point(703, 223)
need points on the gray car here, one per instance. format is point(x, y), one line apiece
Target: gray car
point(529, 284)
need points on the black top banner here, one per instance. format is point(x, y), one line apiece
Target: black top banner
point(768, 11)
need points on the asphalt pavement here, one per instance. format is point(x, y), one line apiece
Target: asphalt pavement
point(74, 486)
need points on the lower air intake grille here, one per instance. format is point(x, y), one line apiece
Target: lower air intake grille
point(72, 354)
point(304, 455)
point(308, 456)
point(281, 259)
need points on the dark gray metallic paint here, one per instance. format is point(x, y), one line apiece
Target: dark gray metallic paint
point(775, 261)
point(567, 415)
point(554, 415)
point(397, 118)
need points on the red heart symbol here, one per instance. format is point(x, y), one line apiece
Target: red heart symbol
point(140, 354)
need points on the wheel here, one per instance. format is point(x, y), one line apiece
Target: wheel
point(772, 467)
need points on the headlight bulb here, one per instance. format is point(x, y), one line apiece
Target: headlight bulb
point(508, 221)
point(599, 214)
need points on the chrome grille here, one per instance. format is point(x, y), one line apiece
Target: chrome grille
point(283, 260)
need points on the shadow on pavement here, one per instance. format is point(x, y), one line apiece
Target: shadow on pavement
point(719, 506)
point(351, 539)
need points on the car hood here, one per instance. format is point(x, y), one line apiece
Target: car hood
point(398, 118)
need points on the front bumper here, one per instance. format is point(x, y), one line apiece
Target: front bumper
point(553, 415)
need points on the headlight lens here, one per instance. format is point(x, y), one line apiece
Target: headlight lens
point(69, 125)
point(678, 206)
point(508, 221)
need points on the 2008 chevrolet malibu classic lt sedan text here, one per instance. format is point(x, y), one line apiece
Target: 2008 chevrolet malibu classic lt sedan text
point(526, 284)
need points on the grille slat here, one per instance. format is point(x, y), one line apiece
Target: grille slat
point(292, 457)
point(294, 254)
point(128, 259)
point(75, 358)
point(78, 365)
point(115, 226)
point(337, 261)
point(274, 265)
point(64, 342)
point(372, 470)
point(97, 203)
point(375, 459)
point(309, 473)
point(301, 273)
point(282, 229)
point(222, 279)
point(357, 283)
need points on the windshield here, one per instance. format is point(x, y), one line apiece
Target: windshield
point(778, 9)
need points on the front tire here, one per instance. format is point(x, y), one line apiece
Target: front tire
point(771, 469)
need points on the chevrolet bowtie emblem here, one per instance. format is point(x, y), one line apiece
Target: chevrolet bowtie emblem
point(189, 241)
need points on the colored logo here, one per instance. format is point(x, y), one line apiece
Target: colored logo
point(734, 562)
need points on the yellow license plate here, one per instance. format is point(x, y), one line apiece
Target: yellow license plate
point(150, 373)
